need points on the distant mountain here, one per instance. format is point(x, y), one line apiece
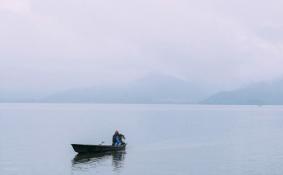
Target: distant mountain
point(255, 94)
point(150, 89)
point(11, 96)
point(155, 89)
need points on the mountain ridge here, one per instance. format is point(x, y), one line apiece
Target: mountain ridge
point(150, 89)
point(263, 93)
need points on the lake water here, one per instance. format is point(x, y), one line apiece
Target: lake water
point(162, 139)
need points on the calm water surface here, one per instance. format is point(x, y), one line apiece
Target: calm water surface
point(162, 139)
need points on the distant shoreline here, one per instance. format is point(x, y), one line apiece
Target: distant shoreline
point(106, 103)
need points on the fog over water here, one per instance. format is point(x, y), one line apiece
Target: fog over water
point(53, 45)
point(149, 51)
point(162, 139)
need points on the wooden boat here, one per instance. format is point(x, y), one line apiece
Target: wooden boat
point(96, 148)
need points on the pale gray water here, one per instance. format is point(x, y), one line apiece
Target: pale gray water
point(162, 139)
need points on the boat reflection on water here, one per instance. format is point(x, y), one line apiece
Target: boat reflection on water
point(85, 161)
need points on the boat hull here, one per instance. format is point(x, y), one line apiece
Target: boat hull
point(96, 148)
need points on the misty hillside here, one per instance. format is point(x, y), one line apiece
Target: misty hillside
point(18, 96)
point(255, 94)
point(150, 89)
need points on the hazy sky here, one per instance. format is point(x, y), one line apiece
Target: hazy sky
point(50, 44)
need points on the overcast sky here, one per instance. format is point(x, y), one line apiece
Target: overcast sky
point(54, 44)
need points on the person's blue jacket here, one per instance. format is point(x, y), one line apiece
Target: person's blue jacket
point(117, 138)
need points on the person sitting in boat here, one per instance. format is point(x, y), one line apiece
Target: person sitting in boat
point(117, 139)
